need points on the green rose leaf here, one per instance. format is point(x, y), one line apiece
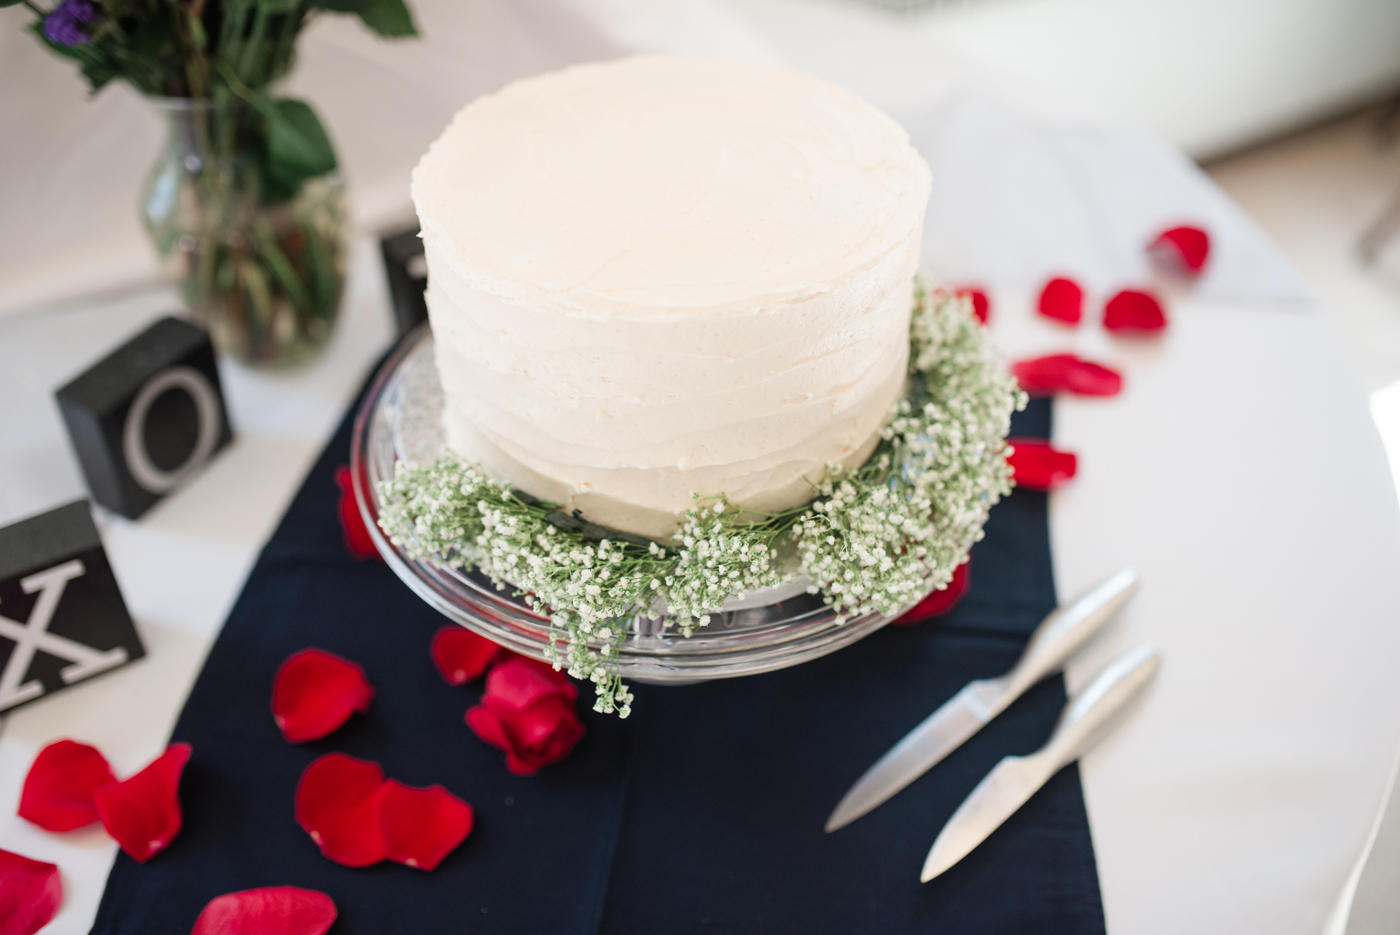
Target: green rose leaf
point(386, 17)
point(5, 3)
point(297, 145)
point(275, 187)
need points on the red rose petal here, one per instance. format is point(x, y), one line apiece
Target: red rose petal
point(536, 736)
point(533, 728)
point(488, 726)
point(1131, 310)
point(1087, 378)
point(337, 804)
point(143, 812)
point(461, 655)
point(352, 521)
point(1181, 251)
point(543, 734)
point(57, 794)
point(1062, 300)
point(939, 602)
point(981, 305)
point(527, 711)
point(314, 692)
point(552, 728)
point(1038, 466)
point(271, 910)
point(31, 892)
point(1045, 375)
point(520, 682)
point(421, 826)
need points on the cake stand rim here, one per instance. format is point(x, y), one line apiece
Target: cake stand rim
point(637, 663)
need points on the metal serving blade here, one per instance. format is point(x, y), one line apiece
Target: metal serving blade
point(1058, 637)
point(997, 797)
point(937, 735)
point(1016, 778)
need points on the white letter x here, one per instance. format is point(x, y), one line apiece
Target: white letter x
point(33, 635)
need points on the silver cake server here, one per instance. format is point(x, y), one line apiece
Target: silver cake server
point(1058, 637)
point(1016, 778)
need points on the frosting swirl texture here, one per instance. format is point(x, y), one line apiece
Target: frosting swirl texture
point(659, 276)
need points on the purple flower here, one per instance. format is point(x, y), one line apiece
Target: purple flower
point(61, 25)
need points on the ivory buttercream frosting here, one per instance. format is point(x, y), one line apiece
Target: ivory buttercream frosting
point(661, 276)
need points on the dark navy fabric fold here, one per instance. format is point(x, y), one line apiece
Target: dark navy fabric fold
point(703, 812)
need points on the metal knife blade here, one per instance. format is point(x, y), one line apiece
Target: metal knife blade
point(997, 797)
point(936, 736)
point(1016, 778)
point(1062, 633)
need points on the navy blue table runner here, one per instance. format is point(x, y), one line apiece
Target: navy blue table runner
point(703, 812)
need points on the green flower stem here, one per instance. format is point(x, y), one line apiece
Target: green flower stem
point(282, 52)
point(323, 279)
point(254, 46)
point(197, 59)
point(279, 265)
point(231, 41)
point(254, 280)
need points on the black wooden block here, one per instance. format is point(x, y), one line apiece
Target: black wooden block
point(408, 278)
point(62, 617)
point(147, 415)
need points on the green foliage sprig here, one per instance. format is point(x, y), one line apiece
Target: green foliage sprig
point(875, 539)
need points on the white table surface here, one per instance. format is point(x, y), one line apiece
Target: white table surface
point(1239, 471)
point(180, 566)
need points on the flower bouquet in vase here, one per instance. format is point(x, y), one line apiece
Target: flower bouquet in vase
point(245, 205)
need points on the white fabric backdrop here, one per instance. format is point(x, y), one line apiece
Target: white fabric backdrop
point(72, 166)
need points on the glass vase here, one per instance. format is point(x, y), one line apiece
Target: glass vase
point(262, 266)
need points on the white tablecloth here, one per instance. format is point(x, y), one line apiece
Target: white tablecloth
point(1239, 471)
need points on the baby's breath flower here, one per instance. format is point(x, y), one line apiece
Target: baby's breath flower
point(873, 540)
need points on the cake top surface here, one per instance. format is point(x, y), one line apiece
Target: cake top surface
point(654, 185)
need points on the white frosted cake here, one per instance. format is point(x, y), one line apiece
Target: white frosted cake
point(659, 276)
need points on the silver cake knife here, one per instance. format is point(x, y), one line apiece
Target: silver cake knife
point(1016, 778)
point(1058, 637)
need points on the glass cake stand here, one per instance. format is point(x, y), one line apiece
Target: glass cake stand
point(400, 420)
